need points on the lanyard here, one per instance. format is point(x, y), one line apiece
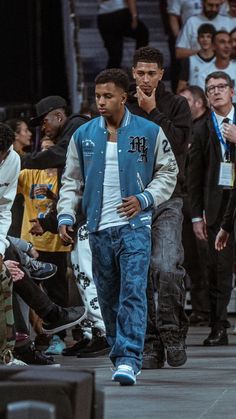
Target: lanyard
point(218, 133)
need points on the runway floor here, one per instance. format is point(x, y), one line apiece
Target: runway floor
point(205, 387)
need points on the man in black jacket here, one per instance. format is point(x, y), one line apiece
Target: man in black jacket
point(210, 177)
point(172, 114)
point(55, 123)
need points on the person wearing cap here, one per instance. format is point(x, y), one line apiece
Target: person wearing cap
point(54, 121)
point(57, 125)
point(52, 117)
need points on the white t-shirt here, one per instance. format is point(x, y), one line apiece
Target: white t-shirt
point(188, 36)
point(184, 8)
point(230, 70)
point(198, 70)
point(110, 6)
point(111, 190)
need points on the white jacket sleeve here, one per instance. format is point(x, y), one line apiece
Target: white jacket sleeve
point(72, 184)
point(165, 173)
point(8, 179)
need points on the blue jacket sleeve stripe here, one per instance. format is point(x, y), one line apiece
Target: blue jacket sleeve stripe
point(65, 219)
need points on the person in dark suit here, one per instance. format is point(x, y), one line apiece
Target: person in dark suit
point(210, 178)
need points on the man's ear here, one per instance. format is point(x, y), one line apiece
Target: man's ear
point(161, 73)
point(124, 97)
point(133, 72)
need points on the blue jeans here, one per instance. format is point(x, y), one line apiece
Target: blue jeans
point(120, 260)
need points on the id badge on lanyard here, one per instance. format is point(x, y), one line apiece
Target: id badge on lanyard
point(227, 168)
point(227, 175)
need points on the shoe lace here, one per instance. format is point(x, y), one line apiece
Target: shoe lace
point(35, 264)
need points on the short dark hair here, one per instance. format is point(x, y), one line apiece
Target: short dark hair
point(114, 75)
point(7, 137)
point(220, 75)
point(15, 124)
point(197, 92)
point(206, 28)
point(148, 55)
point(218, 33)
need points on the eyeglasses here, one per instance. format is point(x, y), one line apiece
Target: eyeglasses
point(221, 88)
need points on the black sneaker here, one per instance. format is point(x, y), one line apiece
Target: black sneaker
point(97, 346)
point(40, 270)
point(175, 348)
point(33, 357)
point(67, 317)
point(76, 348)
point(153, 354)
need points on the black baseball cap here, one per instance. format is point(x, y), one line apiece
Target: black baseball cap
point(46, 105)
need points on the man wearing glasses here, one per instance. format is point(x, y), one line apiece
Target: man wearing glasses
point(210, 179)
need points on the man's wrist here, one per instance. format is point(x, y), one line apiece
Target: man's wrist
point(197, 219)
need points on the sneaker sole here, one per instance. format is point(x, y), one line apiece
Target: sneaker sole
point(64, 326)
point(93, 354)
point(176, 364)
point(46, 277)
point(124, 379)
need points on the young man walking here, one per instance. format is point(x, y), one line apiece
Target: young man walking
point(166, 330)
point(120, 166)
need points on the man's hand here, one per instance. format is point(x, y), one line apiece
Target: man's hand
point(147, 103)
point(14, 270)
point(36, 229)
point(221, 239)
point(1, 262)
point(44, 190)
point(199, 228)
point(129, 208)
point(66, 233)
point(229, 132)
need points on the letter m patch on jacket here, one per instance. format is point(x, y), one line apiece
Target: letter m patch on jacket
point(139, 145)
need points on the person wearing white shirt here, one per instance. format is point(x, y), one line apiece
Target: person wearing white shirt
point(223, 48)
point(187, 43)
point(194, 69)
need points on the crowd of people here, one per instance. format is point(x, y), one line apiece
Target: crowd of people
point(132, 204)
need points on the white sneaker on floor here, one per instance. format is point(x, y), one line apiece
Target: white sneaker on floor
point(9, 361)
point(124, 375)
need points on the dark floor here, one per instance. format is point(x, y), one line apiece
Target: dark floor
point(205, 387)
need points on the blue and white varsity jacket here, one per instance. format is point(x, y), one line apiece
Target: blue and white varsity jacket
point(147, 169)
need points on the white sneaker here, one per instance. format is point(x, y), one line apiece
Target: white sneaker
point(124, 375)
point(9, 360)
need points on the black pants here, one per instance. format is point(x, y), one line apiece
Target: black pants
point(57, 285)
point(28, 290)
point(113, 28)
point(220, 278)
point(196, 264)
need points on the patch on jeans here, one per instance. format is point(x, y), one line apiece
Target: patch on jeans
point(94, 303)
point(83, 233)
point(83, 280)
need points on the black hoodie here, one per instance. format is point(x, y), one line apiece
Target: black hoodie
point(174, 117)
point(54, 157)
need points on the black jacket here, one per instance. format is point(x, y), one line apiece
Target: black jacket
point(54, 157)
point(230, 213)
point(203, 174)
point(173, 115)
